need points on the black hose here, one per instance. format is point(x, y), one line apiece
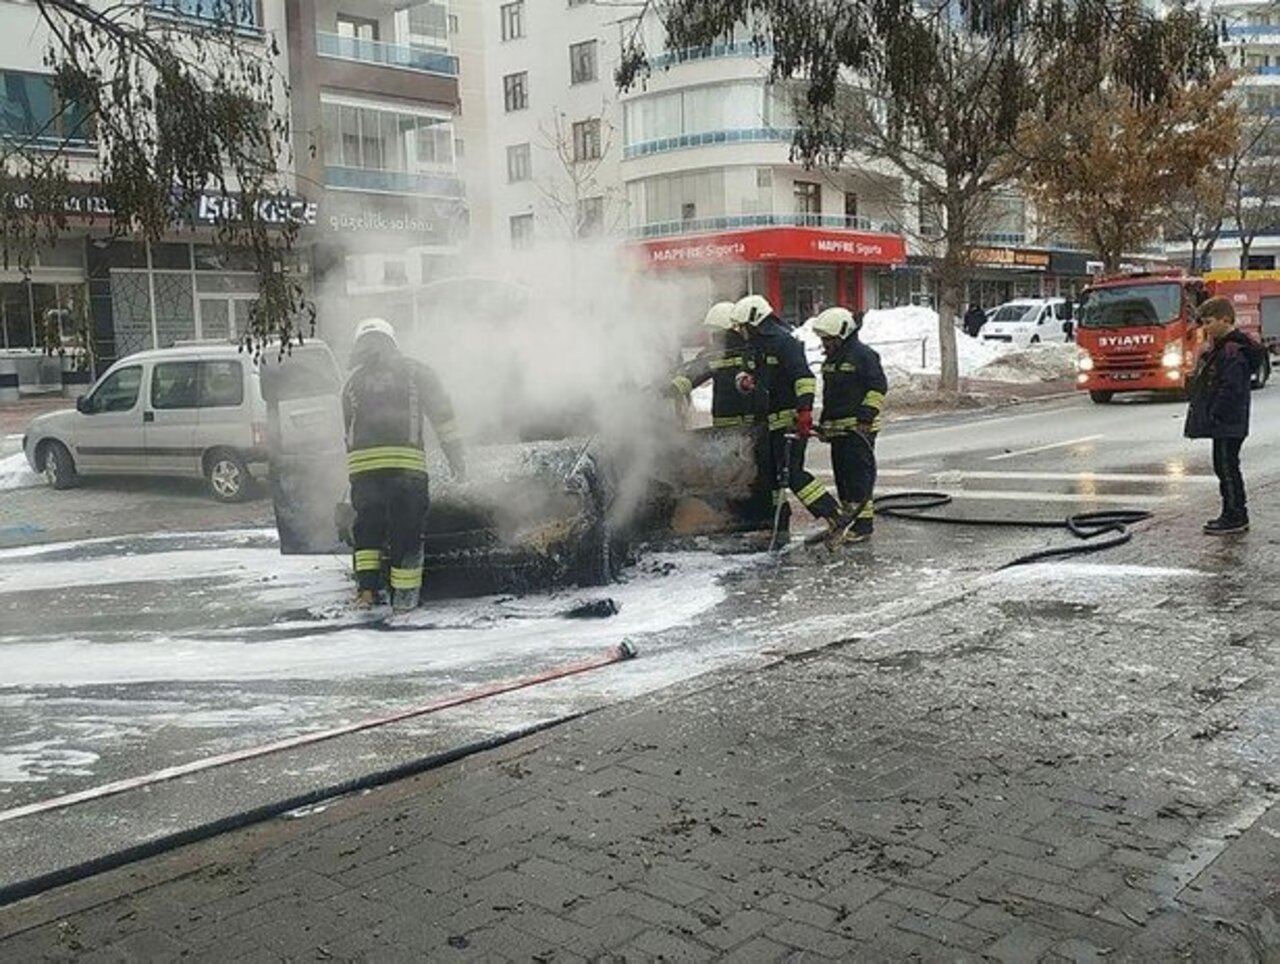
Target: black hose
point(10, 893)
point(1089, 527)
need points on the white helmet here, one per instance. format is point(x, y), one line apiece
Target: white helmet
point(720, 316)
point(836, 323)
point(751, 310)
point(375, 326)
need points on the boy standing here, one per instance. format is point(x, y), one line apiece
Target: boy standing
point(1219, 410)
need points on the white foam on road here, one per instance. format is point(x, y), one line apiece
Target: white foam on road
point(1090, 572)
point(457, 637)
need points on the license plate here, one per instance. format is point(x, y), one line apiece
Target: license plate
point(1126, 376)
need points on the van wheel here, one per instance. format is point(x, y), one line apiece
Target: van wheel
point(1263, 374)
point(58, 467)
point(1101, 398)
point(227, 475)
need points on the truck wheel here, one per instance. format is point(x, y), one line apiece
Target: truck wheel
point(227, 475)
point(1263, 374)
point(1101, 398)
point(58, 467)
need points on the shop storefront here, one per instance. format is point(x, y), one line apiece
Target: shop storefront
point(800, 270)
point(997, 275)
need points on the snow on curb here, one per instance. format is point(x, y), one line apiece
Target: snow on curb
point(16, 474)
point(1026, 366)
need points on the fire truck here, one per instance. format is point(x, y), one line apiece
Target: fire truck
point(1135, 331)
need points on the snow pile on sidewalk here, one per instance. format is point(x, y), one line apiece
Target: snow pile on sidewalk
point(896, 333)
point(16, 474)
point(1025, 366)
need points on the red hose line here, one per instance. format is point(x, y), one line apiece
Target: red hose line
point(615, 654)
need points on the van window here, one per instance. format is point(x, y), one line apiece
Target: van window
point(221, 384)
point(173, 385)
point(118, 391)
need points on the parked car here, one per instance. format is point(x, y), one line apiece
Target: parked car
point(195, 411)
point(1029, 321)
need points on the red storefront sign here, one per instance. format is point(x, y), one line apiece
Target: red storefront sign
point(776, 244)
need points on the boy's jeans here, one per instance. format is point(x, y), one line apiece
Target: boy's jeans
point(1226, 465)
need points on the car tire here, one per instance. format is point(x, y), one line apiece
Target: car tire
point(1101, 398)
point(1263, 374)
point(227, 475)
point(57, 465)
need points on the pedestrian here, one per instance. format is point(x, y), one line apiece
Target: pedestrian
point(723, 362)
point(853, 393)
point(974, 319)
point(789, 387)
point(384, 402)
point(1219, 390)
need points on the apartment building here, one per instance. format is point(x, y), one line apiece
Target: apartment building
point(374, 95)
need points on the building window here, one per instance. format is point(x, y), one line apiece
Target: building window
point(512, 15)
point(582, 63)
point(386, 140)
point(764, 177)
point(357, 28)
point(453, 22)
point(521, 231)
point(808, 196)
point(930, 223)
point(241, 13)
point(32, 112)
point(519, 163)
point(515, 91)
point(590, 216)
point(850, 204)
point(688, 211)
point(586, 140)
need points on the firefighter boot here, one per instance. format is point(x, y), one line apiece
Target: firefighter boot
point(840, 527)
point(366, 599)
point(404, 600)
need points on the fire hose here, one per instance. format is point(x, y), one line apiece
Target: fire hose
point(36, 885)
point(1097, 531)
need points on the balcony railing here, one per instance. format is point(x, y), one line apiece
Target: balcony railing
point(1243, 31)
point(1273, 71)
point(733, 222)
point(394, 182)
point(710, 138)
point(1010, 239)
point(713, 52)
point(382, 54)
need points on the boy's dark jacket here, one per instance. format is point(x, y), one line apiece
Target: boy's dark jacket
point(1219, 388)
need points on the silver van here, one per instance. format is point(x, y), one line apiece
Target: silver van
point(195, 411)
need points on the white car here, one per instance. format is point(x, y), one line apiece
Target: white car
point(1028, 321)
point(194, 411)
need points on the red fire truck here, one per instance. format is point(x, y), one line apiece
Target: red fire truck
point(1134, 331)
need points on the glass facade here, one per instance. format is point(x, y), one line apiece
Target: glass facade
point(31, 112)
point(702, 110)
point(372, 138)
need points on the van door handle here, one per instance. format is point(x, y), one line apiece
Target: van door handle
point(148, 416)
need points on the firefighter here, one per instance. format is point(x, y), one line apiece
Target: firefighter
point(853, 389)
point(384, 402)
point(789, 386)
point(733, 397)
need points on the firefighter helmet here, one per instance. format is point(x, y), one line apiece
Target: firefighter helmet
point(751, 310)
point(375, 326)
point(720, 315)
point(837, 323)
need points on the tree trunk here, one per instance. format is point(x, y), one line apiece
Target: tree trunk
point(951, 278)
point(1194, 264)
point(1245, 245)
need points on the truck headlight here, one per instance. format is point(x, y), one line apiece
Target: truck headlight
point(1084, 363)
point(1172, 357)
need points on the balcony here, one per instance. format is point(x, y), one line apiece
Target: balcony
point(379, 54)
point(733, 222)
point(1251, 31)
point(394, 182)
point(710, 138)
point(713, 52)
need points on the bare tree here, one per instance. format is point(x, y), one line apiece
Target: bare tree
point(1198, 213)
point(178, 101)
point(580, 199)
point(1254, 188)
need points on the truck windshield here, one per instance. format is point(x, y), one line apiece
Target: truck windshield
point(1136, 304)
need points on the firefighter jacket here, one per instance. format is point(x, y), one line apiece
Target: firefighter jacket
point(383, 405)
point(723, 364)
point(853, 388)
point(788, 381)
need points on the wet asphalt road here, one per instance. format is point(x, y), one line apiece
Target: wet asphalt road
point(160, 653)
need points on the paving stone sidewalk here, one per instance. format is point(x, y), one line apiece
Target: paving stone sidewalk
point(1063, 764)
